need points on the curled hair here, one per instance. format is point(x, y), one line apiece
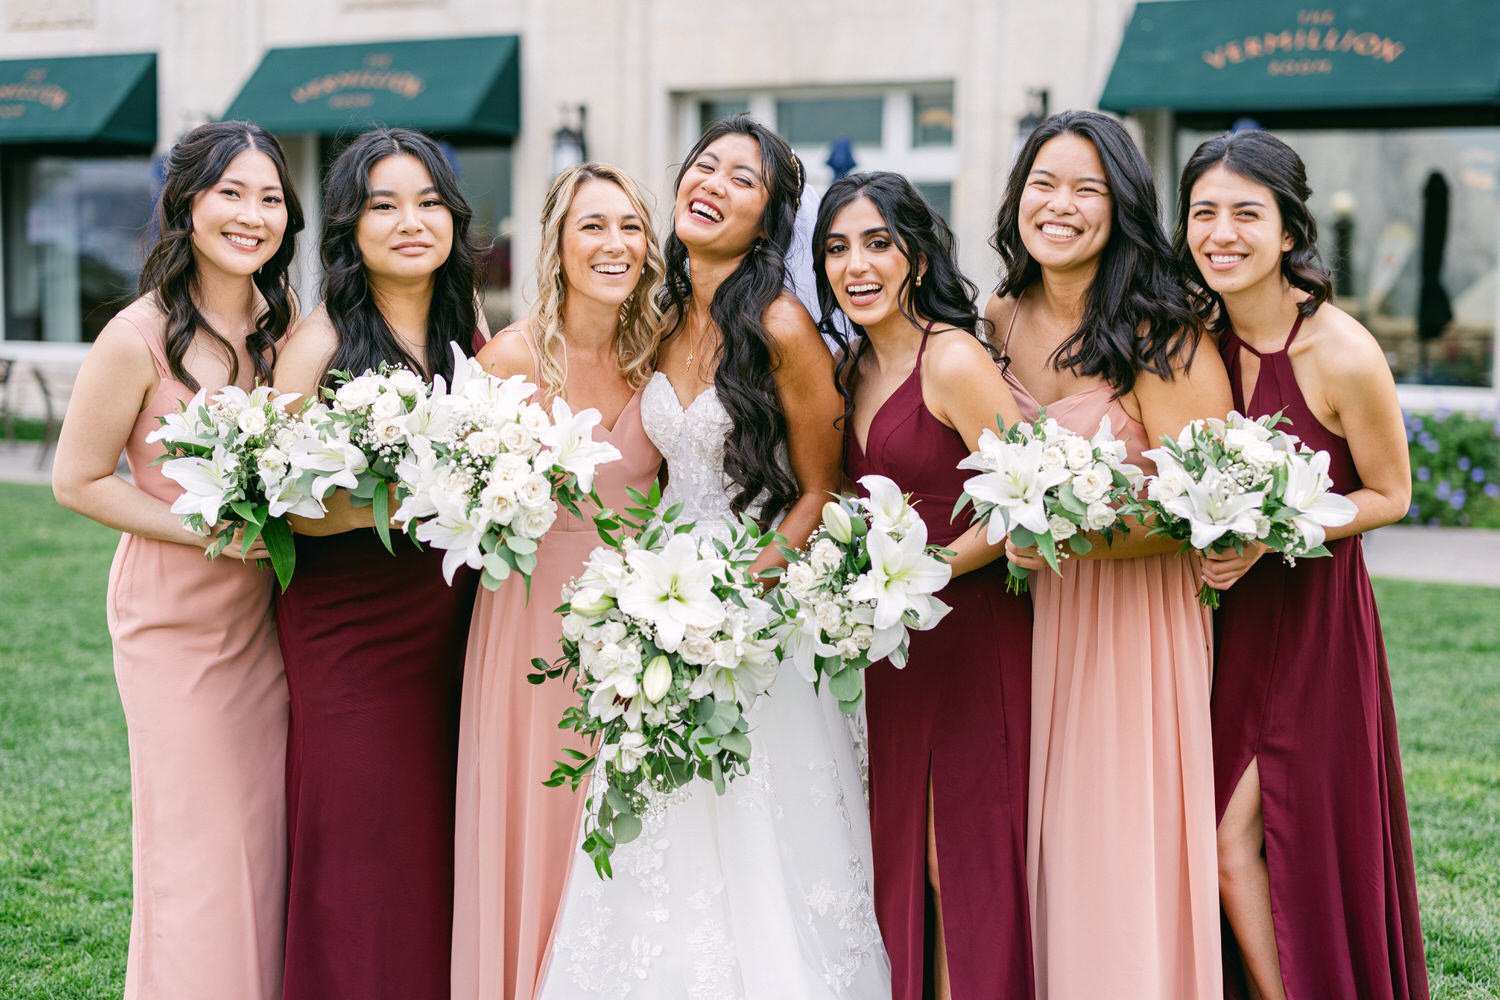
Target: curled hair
point(194, 164)
point(1264, 159)
point(944, 298)
point(754, 452)
point(640, 314)
point(1136, 316)
point(365, 338)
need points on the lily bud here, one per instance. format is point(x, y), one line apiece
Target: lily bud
point(657, 678)
point(590, 602)
point(836, 520)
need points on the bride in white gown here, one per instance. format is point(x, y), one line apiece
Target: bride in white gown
point(763, 893)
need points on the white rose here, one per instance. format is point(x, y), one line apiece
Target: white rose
point(1259, 453)
point(864, 635)
point(407, 383)
point(285, 439)
point(1080, 453)
point(628, 753)
point(517, 439)
point(1053, 457)
point(484, 442)
point(500, 508)
point(612, 631)
point(829, 615)
point(800, 579)
point(1092, 484)
point(726, 654)
point(534, 490)
point(826, 555)
point(271, 461)
point(1099, 516)
point(389, 430)
point(253, 420)
point(849, 649)
point(356, 393)
point(573, 626)
point(697, 649)
point(1062, 529)
point(534, 521)
point(388, 404)
point(1168, 484)
point(534, 419)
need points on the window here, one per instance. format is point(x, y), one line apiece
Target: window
point(932, 119)
point(711, 111)
point(939, 195)
point(818, 121)
point(1368, 201)
point(74, 238)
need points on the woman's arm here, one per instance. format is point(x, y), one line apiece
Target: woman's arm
point(804, 380)
point(968, 393)
point(507, 353)
point(116, 380)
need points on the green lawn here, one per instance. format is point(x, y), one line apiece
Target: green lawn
point(65, 785)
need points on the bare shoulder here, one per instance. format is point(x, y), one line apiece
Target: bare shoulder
point(957, 358)
point(791, 329)
point(123, 343)
point(508, 351)
point(999, 310)
point(1341, 346)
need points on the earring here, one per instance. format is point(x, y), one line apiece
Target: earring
point(919, 281)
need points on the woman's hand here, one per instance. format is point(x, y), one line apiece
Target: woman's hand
point(1222, 569)
point(1026, 558)
point(236, 546)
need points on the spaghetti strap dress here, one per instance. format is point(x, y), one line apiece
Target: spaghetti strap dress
point(515, 838)
point(1302, 687)
point(1121, 851)
point(957, 718)
point(374, 650)
point(206, 708)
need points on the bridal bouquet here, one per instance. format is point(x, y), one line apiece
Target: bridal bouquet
point(358, 438)
point(487, 468)
point(1044, 485)
point(866, 578)
point(1223, 483)
point(231, 454)
point(669, 643)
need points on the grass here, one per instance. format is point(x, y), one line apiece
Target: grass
point(65, 785)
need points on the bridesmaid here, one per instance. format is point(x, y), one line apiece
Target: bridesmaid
point(1120, 848)
point(589, 340)
point(948, 733)
point(373, 642)
point(1315, 861)
point(195, 641)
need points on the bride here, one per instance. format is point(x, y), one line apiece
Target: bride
point(763, 893)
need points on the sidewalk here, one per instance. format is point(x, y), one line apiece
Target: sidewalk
point(1405, 552)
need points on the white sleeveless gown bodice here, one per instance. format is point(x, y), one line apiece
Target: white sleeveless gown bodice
point(763, 893)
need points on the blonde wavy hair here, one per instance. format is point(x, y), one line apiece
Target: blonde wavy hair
point(640, 317)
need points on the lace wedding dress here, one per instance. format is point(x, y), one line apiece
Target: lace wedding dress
point(763, 893)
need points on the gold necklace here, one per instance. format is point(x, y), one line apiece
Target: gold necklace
point(692, 352)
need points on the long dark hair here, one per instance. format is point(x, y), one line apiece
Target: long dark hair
point(365, 339)
point(1136, 316)
point(944, 298)
point(745, 379)
point(1260, 157)
point(194, 164)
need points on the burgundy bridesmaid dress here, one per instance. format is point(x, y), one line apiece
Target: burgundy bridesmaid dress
point(957, 715)
point(1302, 687)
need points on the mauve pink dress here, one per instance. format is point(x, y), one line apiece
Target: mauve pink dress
point(206, 707)
point(516, 839)
point(1120, 848)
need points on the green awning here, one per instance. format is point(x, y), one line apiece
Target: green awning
point(1268, 56)
point(466, 86)
point(102, 99)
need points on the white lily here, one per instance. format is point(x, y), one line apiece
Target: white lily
point(1014, 482)
point(185, 424)
point(571, 441)
point(900, 572)
point(208, 483)
point(457, 531)
point(672, 589)
point(889, 511)
point(1213, 510)
point(336, 461)
point(1308, 492)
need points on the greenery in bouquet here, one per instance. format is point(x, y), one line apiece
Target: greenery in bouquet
point(1044, 486)
point(1221, 484)
point(231, 454)
point(668, 642)
point(866, 578)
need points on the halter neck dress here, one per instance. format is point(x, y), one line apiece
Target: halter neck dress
point(957, 716)
point(1302, 687)
point(1120, 851)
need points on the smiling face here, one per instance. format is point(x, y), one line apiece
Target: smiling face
point(603, 244)
point(239, 221)
point(722, 197)
point(864, 266)
point(1235, 232)
point(1065, 206)
point(405, 231)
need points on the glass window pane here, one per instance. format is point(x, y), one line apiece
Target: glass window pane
point(484, 174)
point(711, 111)
point(932, 119)
point(939, 195)
point(1368, 195)
point(75, 231)
point(814, 121)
